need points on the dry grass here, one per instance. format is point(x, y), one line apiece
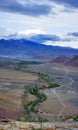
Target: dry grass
point(31, 97)
point(11, 74)
point(9, 102)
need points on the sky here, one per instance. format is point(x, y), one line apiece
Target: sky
point(51, 22)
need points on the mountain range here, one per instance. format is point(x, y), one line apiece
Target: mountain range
point(27, 49)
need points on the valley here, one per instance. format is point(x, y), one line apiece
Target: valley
point(38, 65)
point(15, 80)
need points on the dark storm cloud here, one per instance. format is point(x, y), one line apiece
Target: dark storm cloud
point(72, 3)
point(33, 9)
point(75, 34)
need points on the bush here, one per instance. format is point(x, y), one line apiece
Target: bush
point(54, 85)
point(76, 118)
point(33, 90)
point(28, 103)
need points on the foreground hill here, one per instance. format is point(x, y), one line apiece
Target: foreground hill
point(25, 49)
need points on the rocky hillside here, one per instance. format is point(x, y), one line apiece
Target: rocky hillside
point(73, 62)
point(67, 60)
point(61, 59)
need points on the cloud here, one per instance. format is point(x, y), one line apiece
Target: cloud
point(4, 32)
point(68, 40)
point(75, 34)
point(31, 9)
point(31, 32)
point(8, 34)
point(63, 44)
point(53, 38)
point(45, 37)
point(69, 3)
